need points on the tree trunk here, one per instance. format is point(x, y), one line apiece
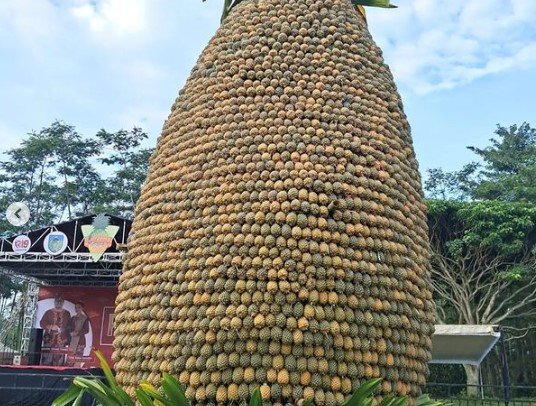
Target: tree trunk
point(41, 176)
point(472, 374)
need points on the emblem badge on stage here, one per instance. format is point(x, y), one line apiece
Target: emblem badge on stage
point(21, 244)
point(55, 242)
point(99, 235)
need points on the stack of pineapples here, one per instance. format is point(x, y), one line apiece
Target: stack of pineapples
point(280, 238)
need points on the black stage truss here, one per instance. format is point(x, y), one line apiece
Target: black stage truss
point(75, 265)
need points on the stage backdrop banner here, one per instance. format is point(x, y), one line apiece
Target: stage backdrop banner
point(75, 320)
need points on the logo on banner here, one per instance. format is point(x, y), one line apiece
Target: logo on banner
point(21, 244)
point(107, 327)
point(98, 236)
point(55, 243)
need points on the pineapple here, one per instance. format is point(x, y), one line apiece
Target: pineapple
point(280, 239)
point(98, 236)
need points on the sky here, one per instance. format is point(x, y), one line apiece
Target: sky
point(462, 67)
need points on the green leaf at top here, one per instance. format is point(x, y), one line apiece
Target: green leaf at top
point(374, 3)
point(226, 9)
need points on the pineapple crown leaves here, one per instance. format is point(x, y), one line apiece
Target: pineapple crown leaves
point(359, 5)
point(227, 6)
point(101, 221)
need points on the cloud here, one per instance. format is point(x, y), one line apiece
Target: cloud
point(441, 45)
point(28, 23)
point(78, 60)
point(109, 63)
point(116, 18)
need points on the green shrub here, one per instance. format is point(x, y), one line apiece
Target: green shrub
point(109, 393)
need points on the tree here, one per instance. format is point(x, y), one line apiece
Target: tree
point(483, 262)
point(9, 289)
point(507, 171)
point(483, 251)
point(26, 176)
point(8, 286)
point(130, 165)
point(458, 185)
point(76, 176)
point(53, 172)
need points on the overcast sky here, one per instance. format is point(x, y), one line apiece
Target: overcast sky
point(462, 66)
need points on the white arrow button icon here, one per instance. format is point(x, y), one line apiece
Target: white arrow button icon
point(18, 214)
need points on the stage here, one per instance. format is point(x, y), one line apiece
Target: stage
point(37, 385)
point(70, 272)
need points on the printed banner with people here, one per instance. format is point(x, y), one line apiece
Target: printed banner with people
point(75, 321)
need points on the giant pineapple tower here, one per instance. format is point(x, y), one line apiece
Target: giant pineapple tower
point(280, 237)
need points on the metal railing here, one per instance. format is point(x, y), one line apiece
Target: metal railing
point(116, 257)
point(486, 395)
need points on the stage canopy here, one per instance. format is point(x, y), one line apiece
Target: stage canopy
point(463, 344)
point(59, 254)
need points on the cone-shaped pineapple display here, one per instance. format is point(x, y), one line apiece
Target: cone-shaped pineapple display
point(280, 238)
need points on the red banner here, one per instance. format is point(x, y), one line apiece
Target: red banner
point(75, 321)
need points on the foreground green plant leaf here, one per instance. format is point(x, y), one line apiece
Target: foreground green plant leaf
point(363, 395)
point(110, 394)
point(153, 393)
point(399, 401)
point(78, 400)
point(173, 390)
point(118, 393)
point(256, 399)
point(143, 398)
point(99, 391)
point(69, 396)
point(424, 400)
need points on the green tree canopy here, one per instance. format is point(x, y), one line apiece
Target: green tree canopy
point(507, 170)
point(483, 263)
point(130, 163)
point(61, 174)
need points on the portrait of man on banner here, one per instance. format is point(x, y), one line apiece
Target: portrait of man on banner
point(87, 324)
point(66, 328)
point(55, 324)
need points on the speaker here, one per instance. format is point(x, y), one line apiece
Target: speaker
point(34, 346)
